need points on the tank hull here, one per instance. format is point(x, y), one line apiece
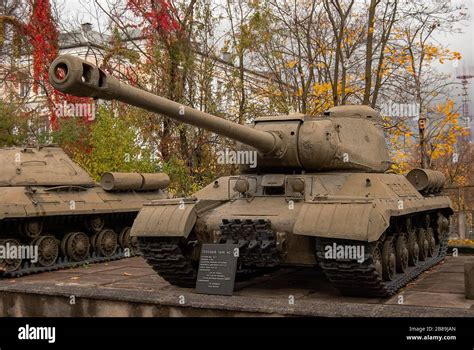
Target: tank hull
point(64, 211)
point(53, 215)
point(276, 226)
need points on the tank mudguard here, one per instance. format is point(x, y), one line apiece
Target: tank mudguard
point(358, 218)
point(165, 218)
point(362, 221)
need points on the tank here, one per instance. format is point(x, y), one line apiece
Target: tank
point(319, 193)
point(53, 215)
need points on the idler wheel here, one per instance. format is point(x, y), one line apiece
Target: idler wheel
point(95, 223)
point(31, 228)
point(423, 243)
point(9, 265)
point(48, 250)
point(389, 259)
point(105, 243)
point(431, 242)
point(128, 242)
point(401, 248)
point(75, 246)
point(413, 249)
point(377, 259)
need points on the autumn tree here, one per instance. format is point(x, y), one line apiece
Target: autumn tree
point(113, 147)
point(412, 56)
point(36, 36)
point(168, 48)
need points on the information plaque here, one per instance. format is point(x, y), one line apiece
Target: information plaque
point(217, 268)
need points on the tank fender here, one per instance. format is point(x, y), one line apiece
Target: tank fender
point(360, 220)
point(170, 217)
point(165, 218)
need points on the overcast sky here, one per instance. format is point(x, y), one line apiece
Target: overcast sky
point(463, 43)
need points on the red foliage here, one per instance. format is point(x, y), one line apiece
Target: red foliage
point(43, 35)
point(156, 15)
point(44, 39)
point(41, 32)
point(131, 76)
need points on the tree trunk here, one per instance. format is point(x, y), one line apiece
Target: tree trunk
point(369, 51)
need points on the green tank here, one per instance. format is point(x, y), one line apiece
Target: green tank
point(317, 193)
point(53, 215)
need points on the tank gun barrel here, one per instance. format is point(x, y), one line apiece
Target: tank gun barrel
point(77, 77)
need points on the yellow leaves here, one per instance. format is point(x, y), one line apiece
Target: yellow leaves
point(292, 64)
point(399, 58)
point(2, 32)
point(321, 97)
point(431, 52)
point(456, 56)
point(401, 162)
point(437, 153)
point(442, 136)
point(321, 89)
point(351, 36)
point(447, 109)
point(461, 242)
point(445, 132)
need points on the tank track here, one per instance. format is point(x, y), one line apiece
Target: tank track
point(74, 223)
point(256, 240)
point(167, 259)
point(361, 279)
point(62, 263)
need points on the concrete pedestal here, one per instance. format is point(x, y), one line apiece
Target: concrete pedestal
point(130, 288)
point(469, 280)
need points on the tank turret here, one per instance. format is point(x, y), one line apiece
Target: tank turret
point(344, 138)
point(40, 166)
